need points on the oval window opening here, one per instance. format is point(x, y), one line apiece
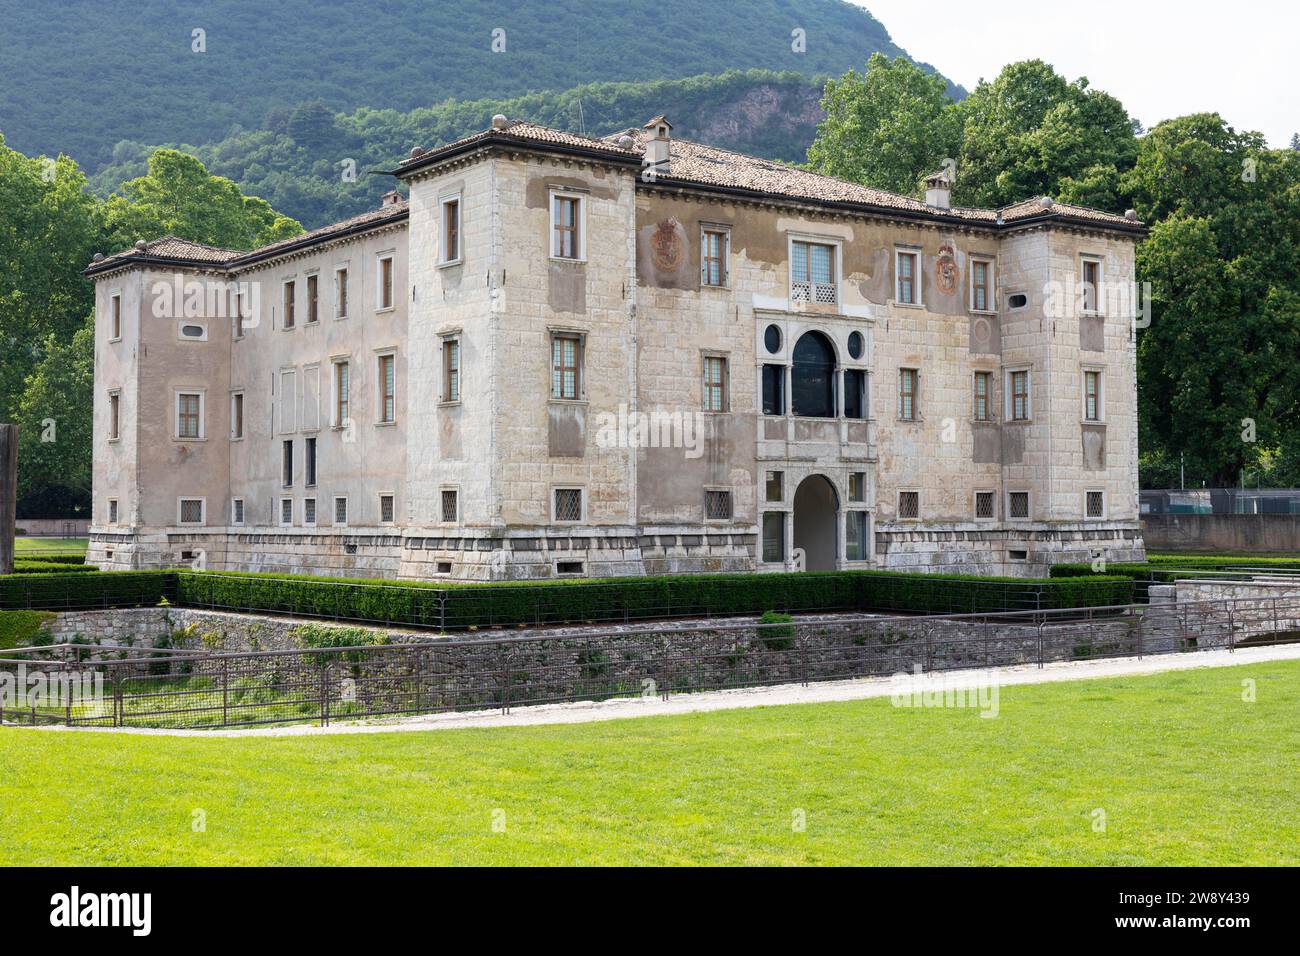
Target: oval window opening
point(1018, 301)
point(855, 345)
point(192, 331)
point(772, 339)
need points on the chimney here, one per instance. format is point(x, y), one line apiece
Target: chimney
point(938, 190)
point(391, 198)
point(657, 149)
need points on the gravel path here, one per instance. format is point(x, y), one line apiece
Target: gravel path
point(861, 689)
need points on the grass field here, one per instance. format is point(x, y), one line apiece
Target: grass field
point(35, 547)
point(1184, 770)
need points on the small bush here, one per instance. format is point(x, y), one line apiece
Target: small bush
point(24, 628)
point(776, 638)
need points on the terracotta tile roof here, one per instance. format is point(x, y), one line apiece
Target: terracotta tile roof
point(184, 251)
point(525, 133)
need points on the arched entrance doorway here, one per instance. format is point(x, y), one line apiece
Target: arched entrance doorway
point(816, 522)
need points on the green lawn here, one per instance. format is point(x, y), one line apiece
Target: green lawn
point(1185, 771)
point(35, 547)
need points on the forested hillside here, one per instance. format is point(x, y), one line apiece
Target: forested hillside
point(92, 74)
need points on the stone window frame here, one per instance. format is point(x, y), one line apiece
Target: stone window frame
point(389, 256)
point(1100, 371)
point(177, 392)
point(340, 398)
point(706, 357)
point(836, 244)
point(114, 415)
point(975, 504)
point(282, 510)
point(582, 504)
point(183, 324)
point(288, 302)
point(710, 490)
point(345, 269)
point(287, 377)
point(782, 517)
point(1087, 495)
point(445, 201)
point(115, 315)
point(862, 487)
point(1091, 259)
point(236, 306)
point(238, 512)
point(1010, 512)
point(780, 480)
point(334, 511)
point(114, 512)
point(448, 341)
point(381, 395)
point(917, 255)
point(1009, 395)
point(916, 394)
point(287, 463)
point(898, 510)
point(180, 510)
point(724, 272)
point(580, 223)
point(991, 286)
point(990, 396)
point(311, 277)
point(238, 413)
point(580, 386)
point(312, 516)
point(868, 535)
point(392, 506)
point(442, 501)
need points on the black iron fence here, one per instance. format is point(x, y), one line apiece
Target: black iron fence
point(202, 690)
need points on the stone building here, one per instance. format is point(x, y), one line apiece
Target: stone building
point(568, 356)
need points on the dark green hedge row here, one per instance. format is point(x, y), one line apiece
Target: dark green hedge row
point(469, 606)
point(49, 566)
point(1219, 562)
point(52, 557)
point(76, 591)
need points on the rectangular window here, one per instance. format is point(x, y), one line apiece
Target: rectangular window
point(114, 416)
point(237, 511)
point(342, 407)
point(311, 462)
point(566, 366)
point(1095, 504)
point(386, 509)
point(773, 389)
point(313, 298)
point(566, 227)
point(190, 511)
point(568, 504)
point(112, 511)
point(1019, 396)
point(855, 393)
point(857, 546)
point(450, 230)
point(286, 511)
point(115, 314)
point(286, 464)
point(1017, 504)
point(288, 401)
point(340, 293)
point(189, 415)
point(1091, 283)
point(385, 282)
point(237, 310)
point(717, 505)
point(450, 506)
point(236, 415)
point(387, 389)
point(984, 505)
point(714, 258)
point(858, 486)
point(715, 384)
point(812, 273)
point(775, 486)
point(289, 304)
point(983, 408)
point(340, 511)
point(981, 283)
point(908, 381)
point(909, 504)
point(774, 536)
point(1091, 395)
point(309, 511)
point(906, 290)
point(451, 370)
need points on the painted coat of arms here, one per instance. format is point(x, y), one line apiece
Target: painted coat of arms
point(666, 246)
point(945, 269)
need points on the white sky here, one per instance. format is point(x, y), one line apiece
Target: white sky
point(1160, 58)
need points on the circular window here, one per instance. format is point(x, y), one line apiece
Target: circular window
point(772, 339)
point(855, 345)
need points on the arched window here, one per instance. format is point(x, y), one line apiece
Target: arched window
point(813, 377)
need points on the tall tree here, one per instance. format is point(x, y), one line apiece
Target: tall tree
point(179, 197)
point(887, 127)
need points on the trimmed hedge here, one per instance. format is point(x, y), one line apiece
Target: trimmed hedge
point(22, 628)
point(49, 566)
point(1221, 562)
point(76, 591)
point(548, 602)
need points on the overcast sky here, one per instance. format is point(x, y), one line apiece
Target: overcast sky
point(1160, 58)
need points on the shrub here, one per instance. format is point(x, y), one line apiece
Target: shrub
point(24, 628)
point(776, 638)
point(73, 591)
point(325, 636)
point(49, 566)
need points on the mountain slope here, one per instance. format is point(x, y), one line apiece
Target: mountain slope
point(99, 73)
point(297, 165)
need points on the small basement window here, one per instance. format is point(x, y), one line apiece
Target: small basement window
point(444, 567)
point(1017, 555)
point(568, 567)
